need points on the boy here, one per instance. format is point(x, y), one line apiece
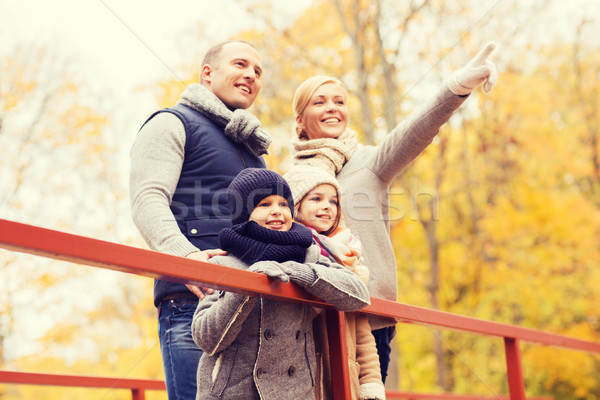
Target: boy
point(257, 348)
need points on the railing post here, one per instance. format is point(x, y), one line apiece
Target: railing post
point(338, 352)
point(138, 394)
point(514, 369)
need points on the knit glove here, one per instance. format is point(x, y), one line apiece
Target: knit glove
point(301, 274)
point(372, 391)
point(479, 70)
point(272, 269)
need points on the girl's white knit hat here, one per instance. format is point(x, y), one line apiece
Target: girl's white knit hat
point(304, 178)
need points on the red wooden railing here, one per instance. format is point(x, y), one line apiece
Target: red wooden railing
point(97, 253)
point(138, 387)
point(394, 395)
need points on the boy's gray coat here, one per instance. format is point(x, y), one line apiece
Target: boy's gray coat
point(257, 348)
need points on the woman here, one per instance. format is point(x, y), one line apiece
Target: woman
point(366, 172)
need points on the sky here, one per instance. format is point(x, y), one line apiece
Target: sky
point(122, 47)
point(117, 43)
point(127, 42)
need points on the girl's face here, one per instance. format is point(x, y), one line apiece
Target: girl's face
point(273, 212)
point(319, 208)
point(326, 115)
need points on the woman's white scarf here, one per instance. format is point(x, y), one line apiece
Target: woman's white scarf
point(329, 154)
point(239, 125)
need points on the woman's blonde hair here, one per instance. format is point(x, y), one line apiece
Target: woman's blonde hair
point(305, 91)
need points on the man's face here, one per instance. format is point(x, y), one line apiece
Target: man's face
point(235, 79)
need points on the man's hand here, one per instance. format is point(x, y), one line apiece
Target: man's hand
point(203, 256)
point(478, 71)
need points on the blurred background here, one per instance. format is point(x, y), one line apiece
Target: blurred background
point(498, 219)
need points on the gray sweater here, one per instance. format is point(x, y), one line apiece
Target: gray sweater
point(258, 348)
point(365, 180)
point(156, 159)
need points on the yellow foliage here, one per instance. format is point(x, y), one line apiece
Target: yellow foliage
point(518, 227)
point(562, 372)
point(518, 218)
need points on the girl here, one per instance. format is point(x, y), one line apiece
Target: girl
point(256, 348)
point(316, 195)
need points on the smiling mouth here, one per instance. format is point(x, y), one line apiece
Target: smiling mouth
point(327, 217)
point(275, 223)
point(244, 88)
point(331, 121)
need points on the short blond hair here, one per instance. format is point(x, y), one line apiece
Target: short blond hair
point(305, 91)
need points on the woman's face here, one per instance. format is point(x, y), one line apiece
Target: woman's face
point(319, 208)
point(326, 115)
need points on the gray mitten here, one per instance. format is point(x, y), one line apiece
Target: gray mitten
point(272, 269)
point(301, 274)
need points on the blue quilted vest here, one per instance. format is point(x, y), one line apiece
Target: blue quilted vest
point(199, 203)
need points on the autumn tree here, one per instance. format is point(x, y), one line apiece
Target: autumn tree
point(62, 169)
point(497, 219)
point(497, 163)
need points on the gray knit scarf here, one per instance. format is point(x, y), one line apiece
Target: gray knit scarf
point(329, 154)
point(240, 126)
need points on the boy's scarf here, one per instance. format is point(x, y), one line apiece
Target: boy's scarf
point(328, 153)
point(239, 125)
point(251, 243)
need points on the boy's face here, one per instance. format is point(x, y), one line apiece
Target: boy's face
point(274, 213)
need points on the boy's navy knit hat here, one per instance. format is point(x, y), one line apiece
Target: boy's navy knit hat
point(251, 186)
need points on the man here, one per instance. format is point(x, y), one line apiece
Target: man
point(182, 162)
